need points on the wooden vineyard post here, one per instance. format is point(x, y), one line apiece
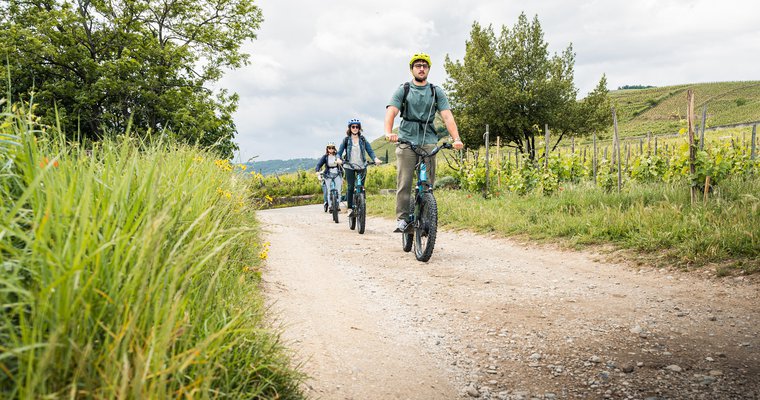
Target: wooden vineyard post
point(517, 159)
point(546, 150)
point(753, 153)
point(498, 162)
point(702, 132)
point(616, 150)
point(594, 161)
point(486, 139)
point(707, 188)
point(692, 144)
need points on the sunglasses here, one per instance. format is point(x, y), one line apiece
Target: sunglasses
point(423, 66)
point(354, 126)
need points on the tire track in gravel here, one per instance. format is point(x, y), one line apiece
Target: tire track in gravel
point(492, 318)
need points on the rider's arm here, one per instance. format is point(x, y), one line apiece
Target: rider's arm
point(390, 115)
point(451, 126)
point(341, 149)
point(320, 163)
point(391, 111)
point(370, 152)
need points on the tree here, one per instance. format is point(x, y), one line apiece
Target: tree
point(594, 113)
point(513, 85)
point(99, 64)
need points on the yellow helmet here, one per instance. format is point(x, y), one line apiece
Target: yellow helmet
point(420, 56)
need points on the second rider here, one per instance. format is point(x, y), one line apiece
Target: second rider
point(352, 151)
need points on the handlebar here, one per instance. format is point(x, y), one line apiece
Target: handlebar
point(329, 175)
point(417, 149)
point(357, 166)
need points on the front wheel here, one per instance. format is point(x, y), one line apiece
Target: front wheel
point(334, 204)
point(426, 228)
point(361, 212)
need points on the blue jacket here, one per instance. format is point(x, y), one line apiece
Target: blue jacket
point(346, 146)
point(323, 162)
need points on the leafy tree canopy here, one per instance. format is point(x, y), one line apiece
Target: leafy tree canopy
point(514, 85)
point(99, 64)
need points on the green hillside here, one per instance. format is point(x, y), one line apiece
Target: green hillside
point(663, 109)
point(281, 167)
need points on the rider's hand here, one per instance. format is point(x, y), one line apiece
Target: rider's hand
point(339, 161)
point(378, 161)
point(458, 145)
point(391, 137)
point(319, 176)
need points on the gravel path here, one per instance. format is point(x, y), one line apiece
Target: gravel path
point(491, 318)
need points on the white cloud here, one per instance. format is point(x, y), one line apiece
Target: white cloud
point(317, 64)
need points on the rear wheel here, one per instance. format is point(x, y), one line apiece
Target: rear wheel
point(406, 240)
point(334, 204)
point(361, 212)
point(352, 217)
point(426, 228)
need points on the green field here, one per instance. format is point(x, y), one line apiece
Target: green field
point(656, 221)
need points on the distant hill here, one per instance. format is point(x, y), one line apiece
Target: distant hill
point(281, 167)
point(662, 109)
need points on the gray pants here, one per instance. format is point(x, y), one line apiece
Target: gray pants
point(406, 160)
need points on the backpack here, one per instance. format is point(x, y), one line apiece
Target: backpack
point(403, 104)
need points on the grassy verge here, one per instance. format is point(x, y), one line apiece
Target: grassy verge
point(129, 271)
point(649, 218)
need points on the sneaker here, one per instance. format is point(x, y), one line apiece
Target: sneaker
point(350, 212)
point(401, 226)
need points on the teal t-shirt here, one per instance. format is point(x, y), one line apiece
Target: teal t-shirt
point(419, 106)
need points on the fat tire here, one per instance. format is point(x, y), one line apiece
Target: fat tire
point(335, 205)
point(426, 228)
point(361, 212)
point(352, 218)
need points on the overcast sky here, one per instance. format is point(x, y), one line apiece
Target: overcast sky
point(317, 64)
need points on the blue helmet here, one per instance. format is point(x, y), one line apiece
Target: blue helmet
point(354, 122)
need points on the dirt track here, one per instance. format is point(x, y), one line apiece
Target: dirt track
point(495, 319)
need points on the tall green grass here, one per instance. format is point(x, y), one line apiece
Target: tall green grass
point(129, 271)
point(654, 219)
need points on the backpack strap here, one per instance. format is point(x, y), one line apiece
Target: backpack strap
point(345, 144)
